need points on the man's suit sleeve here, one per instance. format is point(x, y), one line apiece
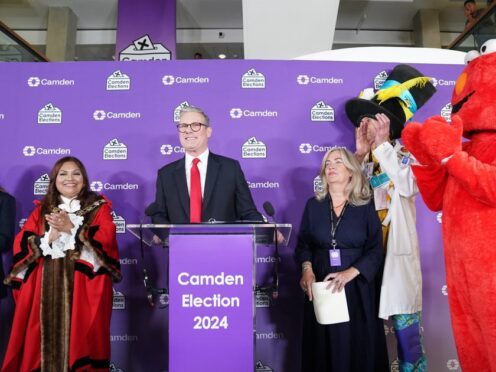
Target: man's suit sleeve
point(245, 207)
point(7, 222)
point(160, 213)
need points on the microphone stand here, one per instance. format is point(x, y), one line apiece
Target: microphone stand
point(275, 275)
point(150, 289)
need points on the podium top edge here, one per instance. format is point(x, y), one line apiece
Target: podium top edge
point(194, 226)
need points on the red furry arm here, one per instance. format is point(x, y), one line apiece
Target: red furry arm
point(476, 177)
point(431, 181)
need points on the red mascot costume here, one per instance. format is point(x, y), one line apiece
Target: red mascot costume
point(460, 179)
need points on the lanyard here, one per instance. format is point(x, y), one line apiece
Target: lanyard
point(334, 228)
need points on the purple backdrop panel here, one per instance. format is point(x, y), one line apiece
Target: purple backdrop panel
point(276, 117)
point(211, 303)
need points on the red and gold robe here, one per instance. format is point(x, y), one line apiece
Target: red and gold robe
point(63, 306)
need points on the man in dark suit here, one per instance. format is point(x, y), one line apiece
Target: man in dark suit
point(7, 224)
point(224, 194)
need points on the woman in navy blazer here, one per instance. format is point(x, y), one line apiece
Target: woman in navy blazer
point(341, 219)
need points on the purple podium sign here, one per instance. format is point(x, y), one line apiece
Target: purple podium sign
point(211, 306)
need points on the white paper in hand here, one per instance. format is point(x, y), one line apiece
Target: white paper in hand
point(330, 308)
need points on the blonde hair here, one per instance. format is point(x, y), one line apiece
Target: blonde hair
point(358, 189)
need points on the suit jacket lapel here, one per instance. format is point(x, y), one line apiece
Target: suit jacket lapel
point(182, 186)
point(213, 168)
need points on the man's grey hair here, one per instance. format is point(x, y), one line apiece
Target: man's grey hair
point(194, 109)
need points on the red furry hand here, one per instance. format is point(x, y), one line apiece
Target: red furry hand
point(440, 138)
point(411, 139)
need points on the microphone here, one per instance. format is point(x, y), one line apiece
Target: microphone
point(269, 209)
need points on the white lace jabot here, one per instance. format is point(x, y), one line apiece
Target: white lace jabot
point(65, 241)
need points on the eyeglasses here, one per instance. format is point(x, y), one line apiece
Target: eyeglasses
point(195, 127)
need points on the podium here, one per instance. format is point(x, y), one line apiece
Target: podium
point(212, 271)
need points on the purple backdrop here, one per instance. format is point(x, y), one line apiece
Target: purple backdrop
point(277, 117)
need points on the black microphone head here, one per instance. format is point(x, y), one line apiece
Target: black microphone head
point(268, 208)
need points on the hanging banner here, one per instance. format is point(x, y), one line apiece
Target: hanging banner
point(146, 30)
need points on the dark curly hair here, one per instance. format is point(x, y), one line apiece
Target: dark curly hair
point(52, 197)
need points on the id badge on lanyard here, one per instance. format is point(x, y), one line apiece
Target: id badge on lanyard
point(335, 255)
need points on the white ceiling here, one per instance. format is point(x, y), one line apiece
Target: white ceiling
point(367, 16)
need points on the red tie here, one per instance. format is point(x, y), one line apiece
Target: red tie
point(195, 194)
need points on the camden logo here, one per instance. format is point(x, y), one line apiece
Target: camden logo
point(99, 115)
point(253, 149)
point(379, 79)
point(442, 82)
point(96, 186)
point(305, 80)
point(99, 186)
point(322, 112)
point(444, 290)
point(123, 338)
point(102, 115)
point(237, 113)
point(143, 49)
point(119, 222)
point(271, 336)
point(119, 301)
point(253, 80)
point(262, 299)
point(41, 185)
point(118, 81)
point(453, 364)
point(49, 114)
point(169, 149)
point(318, 186)
point(263, 185)
point(178, 109)
point(32, 151)
point(307, 148)
point(22, 221)
point(128, 261)
point(35, 81)
point(446, 112)
point(260, 367)
point(170, 80)
point(114, 150)
point(29, 150)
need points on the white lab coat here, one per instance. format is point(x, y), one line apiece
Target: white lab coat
point(401, 291)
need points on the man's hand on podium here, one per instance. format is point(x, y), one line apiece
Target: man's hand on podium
point(156, 240)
